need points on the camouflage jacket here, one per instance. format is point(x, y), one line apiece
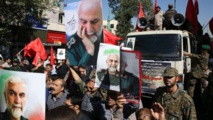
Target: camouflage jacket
point(108, 79)
point(199, 64)
point(177, 106)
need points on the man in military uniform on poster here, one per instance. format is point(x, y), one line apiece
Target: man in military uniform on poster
point(16, 95)
point(178, 105)
point(129, 82)
point(110, 76)
point(83, 46)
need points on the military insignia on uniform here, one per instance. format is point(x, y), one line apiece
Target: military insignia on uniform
point(71, 42)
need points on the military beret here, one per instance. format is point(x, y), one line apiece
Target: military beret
point(205, 47)
point(170, 72)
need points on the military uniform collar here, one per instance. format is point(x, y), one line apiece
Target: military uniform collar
point(173, 95)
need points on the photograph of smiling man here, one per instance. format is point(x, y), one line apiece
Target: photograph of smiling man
point(17, 95)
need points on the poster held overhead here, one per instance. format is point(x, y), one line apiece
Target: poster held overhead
point(130, 71)
point(61, 54)
point(107, 74)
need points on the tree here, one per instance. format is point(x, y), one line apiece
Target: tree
point(124, 15)
point(14, 13)
point(125, 10)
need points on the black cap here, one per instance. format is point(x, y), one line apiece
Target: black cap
point(15, 60)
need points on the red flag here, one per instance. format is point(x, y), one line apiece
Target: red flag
point(155, 6)
point(110, 38)
point(191, 16)
point(27, 51)
point(196, 7)
point(52, 56)
point(211, 25)
point(35, 48)
point(140, 15)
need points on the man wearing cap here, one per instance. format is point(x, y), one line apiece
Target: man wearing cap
point(158, 19)
point(199, 67)
point(16, 66)
point(178, 105)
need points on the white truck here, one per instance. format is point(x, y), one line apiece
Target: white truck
point(161, 49)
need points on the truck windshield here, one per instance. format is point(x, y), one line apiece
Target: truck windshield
point(160, 45)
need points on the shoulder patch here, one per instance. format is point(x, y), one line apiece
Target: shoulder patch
point(186, 96)
point(71, 42)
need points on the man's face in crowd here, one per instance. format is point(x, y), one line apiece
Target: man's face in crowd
point(111, 98)
point(48, 68)
point(24, 62)
point(16, 97)
point(82, 71)
point(170, 81)
point(90, 18)
point(57, 87)
point(15, 63)
point(69, 104)
point(9, 61)
point(49, 82)
point(112, 62)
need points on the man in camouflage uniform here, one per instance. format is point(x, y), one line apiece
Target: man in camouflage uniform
point(83, 46)
point(16, 66)
point(111, 76)
point(199, 67)
point(178, 105)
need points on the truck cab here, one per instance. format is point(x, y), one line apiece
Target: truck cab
point(160, 49)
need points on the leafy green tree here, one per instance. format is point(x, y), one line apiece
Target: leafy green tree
point(125, 10)
point(14, 12)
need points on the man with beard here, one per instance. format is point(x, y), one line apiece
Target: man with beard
point(58, 94)
point(15, 97)
point(83, 46)
point(110, 77)
point(178, 105)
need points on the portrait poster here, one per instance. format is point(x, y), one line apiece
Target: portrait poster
point(107, 71)
point(130, 43)
point(23, 93)
point(84, 31)
point(130, 70)
point(61, 54)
